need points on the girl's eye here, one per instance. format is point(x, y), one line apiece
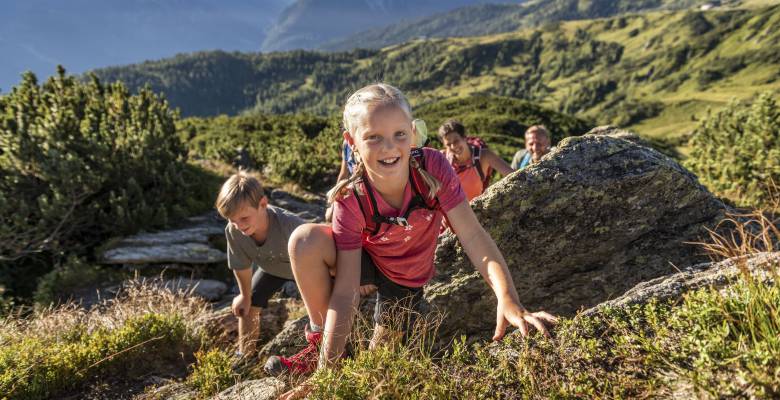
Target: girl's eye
point(400, 133)
point(372, 138)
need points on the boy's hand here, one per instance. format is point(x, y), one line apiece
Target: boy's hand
point(241, 306)
point(511, 312)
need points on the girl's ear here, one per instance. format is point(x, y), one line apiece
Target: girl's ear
point(348, 138)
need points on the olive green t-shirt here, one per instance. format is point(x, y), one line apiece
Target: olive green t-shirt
point(270, 256)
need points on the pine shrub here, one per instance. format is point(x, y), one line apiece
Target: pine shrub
point(736, 151)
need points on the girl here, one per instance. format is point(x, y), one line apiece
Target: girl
point(395, 250)
point(471, 159)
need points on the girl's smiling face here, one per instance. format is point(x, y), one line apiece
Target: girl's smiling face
point(383, 141)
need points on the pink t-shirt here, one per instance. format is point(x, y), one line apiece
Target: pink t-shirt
point(403, 254)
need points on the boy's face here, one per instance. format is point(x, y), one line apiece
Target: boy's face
point(250, 220)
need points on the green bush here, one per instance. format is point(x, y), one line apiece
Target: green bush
point(83, 161)
point(71, 275)
point(736, 151)
point(33, 367)
point(212, 372)
point(288, 148)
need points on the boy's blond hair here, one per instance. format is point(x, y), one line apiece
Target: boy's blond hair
point(240, 190)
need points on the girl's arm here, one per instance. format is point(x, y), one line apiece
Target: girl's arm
point(343, 301)
point(487, 259)
point(496, 162)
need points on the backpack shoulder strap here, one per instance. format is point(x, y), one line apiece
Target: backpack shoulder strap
point(367, 204)
point(418, 183)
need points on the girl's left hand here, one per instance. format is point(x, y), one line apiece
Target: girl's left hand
point(511, 312)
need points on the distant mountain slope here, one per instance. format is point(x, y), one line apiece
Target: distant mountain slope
point(654, 72)
point(84, 34)
point(488, 19)
point(306, 24)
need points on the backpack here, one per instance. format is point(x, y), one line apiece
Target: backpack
point(476, 145)
point(420, 198)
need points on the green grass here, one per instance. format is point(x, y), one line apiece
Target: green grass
point(714, 344)
point(56, 352)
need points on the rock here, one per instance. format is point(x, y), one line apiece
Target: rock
point(290, 289)
point(170, 391)
point(716, 275)
point(182, 253)
point(596, 216)
point(187, 245)
point(272, 320)
point(208, 289)
point(258, 389)
point(287, 342)
point(311, 211)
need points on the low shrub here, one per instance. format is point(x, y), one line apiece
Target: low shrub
point(212, 372)
point(58, 351)
point(736, 151)
point(83, 161)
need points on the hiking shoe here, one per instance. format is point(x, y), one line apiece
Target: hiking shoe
point(302, 363)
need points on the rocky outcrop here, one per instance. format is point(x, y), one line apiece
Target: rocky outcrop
point(599, 214)
point(717, 275)
point(258, 389)
point(188, 245)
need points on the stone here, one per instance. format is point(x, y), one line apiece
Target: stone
point(180, 253)
point(257, 389)
point(207, 289)
point(717, 275)
point(313, 211)
point(186, 245)
point(597, 215)
point(288, 341)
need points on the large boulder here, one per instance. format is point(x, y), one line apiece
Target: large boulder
point(599, 214)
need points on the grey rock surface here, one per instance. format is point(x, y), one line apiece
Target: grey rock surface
point(208, 289)
point(593, 218)
point(715, 275)
point(288, 341)
point(313, 211)
point(180, 253)
point(187, 245)
point(258, 389)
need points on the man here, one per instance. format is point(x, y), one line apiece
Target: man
point(537, 144)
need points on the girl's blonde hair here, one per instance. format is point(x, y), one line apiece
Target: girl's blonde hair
point(359, 104)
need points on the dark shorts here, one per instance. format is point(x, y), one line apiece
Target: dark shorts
point(391, 298)
point(264, 285)
point(393, 301)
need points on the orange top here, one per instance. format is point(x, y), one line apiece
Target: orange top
point(471, 182)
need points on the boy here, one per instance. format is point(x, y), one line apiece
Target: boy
point(257, 234)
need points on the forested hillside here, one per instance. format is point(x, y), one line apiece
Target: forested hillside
point(488, 19)
point(306, 24)
point(653, 71)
